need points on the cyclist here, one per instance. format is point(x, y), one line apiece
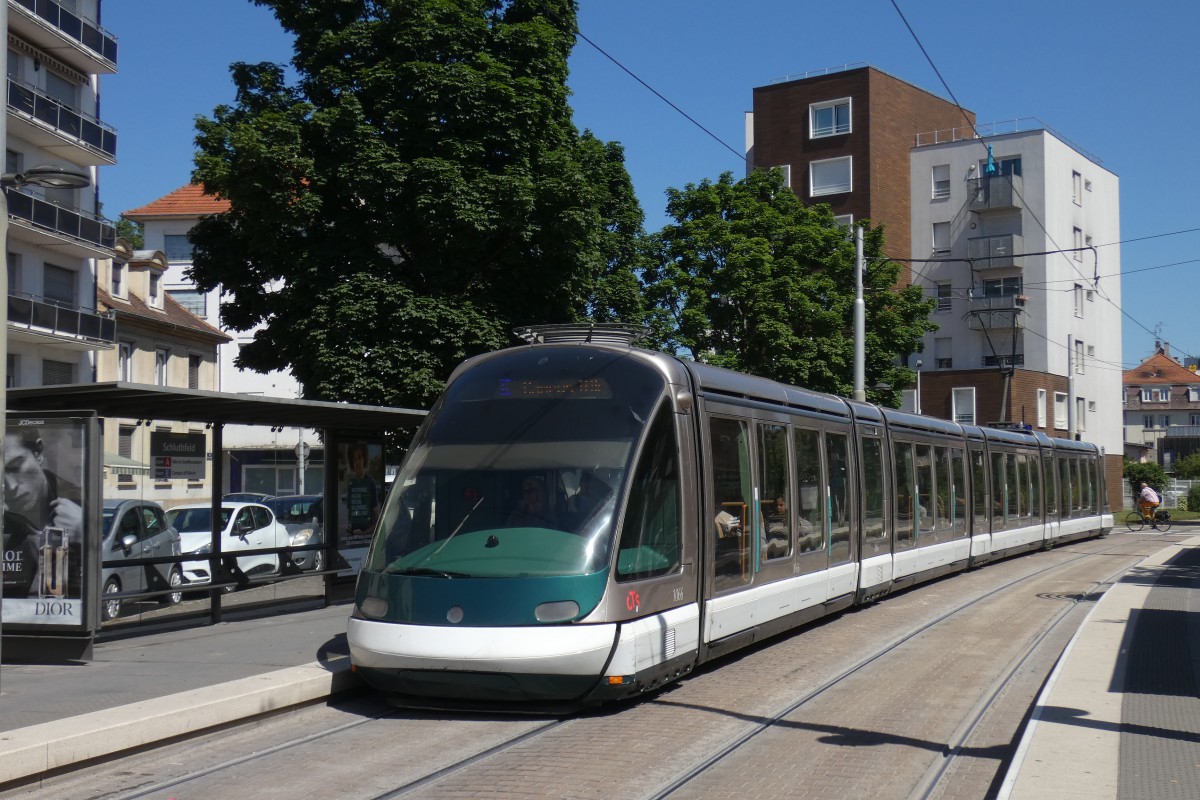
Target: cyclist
point(1148, 500)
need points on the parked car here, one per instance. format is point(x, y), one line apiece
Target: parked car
point(302, 514)
point(137, 529)
point(244, 526)
point(246, 497)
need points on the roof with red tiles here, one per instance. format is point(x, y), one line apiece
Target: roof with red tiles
point(173, 315)
point(1159, 369)
point(186, 201)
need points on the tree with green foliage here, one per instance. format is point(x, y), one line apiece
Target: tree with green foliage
point(749, 278)
point(132, 232)
point(1137, 472)
point(1188, 467)
point(418, 191)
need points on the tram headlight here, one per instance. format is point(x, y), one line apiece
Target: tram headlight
point(374, 607)
point(558, 611)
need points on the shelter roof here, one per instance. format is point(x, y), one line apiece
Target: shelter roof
point(143, 401)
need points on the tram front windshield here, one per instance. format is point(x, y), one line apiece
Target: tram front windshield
point(518, 472)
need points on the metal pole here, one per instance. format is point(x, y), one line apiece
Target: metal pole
point(860, 320)
point(3, 281)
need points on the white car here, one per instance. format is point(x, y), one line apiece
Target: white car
point(244, 526)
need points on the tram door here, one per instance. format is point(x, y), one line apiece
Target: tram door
point(876, 530)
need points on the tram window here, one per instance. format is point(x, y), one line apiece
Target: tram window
point(906, 481)
point(1089, 469)
point(651, 536)
point(773, 492)
point(979, 488)
point(837, 458)
point(810, 494)
point(1051, 484)
point(924, 456)
point(1013, 487)
point(958, 492)
point(731, 491)
point(873, 483)
point(1065, 492)
point(1076, 488)
point(999, 492)
point(941, 462)
point(1022, 492)
point(1035, 487)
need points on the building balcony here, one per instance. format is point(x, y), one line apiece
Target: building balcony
point(994, 193)
point(60, 32)
point(58, 129)
point(1010, 360)
point(70, 231)
point(991, 252)
point(988, 313)
point(34, 318)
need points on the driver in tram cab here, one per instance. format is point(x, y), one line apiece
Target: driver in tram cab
point(533, 511)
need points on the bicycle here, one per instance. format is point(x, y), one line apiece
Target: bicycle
point(1160, 520)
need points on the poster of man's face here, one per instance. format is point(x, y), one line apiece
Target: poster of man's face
point(360, 492)
point(44, 462)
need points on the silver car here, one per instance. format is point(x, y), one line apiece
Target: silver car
point(137, 529)
point(244, 526)
point(302, 515)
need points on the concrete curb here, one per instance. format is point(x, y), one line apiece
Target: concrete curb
point(53, 745)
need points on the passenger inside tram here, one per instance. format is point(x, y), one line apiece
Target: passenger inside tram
point(533, 509)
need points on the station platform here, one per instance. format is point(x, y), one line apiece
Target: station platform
point(1118, 717)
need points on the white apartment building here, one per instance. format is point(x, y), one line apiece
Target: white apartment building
point(257, 459)
point(1029, 294)
point(56, 54)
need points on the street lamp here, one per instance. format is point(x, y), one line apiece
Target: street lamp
point(50, 177)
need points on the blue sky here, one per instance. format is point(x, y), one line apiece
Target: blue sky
point(1118, 80)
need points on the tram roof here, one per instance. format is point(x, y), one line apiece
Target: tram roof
point(143, 401)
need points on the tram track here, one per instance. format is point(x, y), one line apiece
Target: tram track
point(929, 784)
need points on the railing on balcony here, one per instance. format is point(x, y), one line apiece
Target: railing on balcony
point(1004, 311)
point(71, 223)
point(1005, 361)
point(987, 252)
point(53, 317)
point(994, 193)
point(77, 28)
point(91, 132)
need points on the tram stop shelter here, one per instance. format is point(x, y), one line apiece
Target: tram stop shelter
point(337, 423)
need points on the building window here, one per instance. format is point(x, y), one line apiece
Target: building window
point(1077, 188)
point(1194, 419)
point(942, 349)
point(156, 290)
point(14, 273)
point(941, 239)
point(1041, 408)
point(944, 297)
point(161, 357)
point(963, 400)
point(58, 372)
point(1155, 394)
point(908, 400)
point(125, 449)
point(846, 220)
point(193, 300)
point(830, 118)
point(58, 285)
point(1079, 300)
point(1060, 411)
point(941, 181)
point(193, 372)
point(1164, 421)
point(125, 362)
point(1194, 394)
point(14, 370)
point(176, 247)
point(1148, 421)
point(831, 176)
point(1002, 287)
point(1077, 235)
point(117, 288)
point(1078, 357)
point(786, 169)
point(1080, 414)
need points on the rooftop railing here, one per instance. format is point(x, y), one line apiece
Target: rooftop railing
point(70, 223)
point(77, 28)
point(89, 131)
point(58, 318)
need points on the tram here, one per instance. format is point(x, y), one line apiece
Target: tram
point(579, 520)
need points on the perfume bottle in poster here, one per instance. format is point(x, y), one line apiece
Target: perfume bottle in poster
point(54, 563)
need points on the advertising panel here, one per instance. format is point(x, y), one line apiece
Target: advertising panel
point(178, 456)
point(49, 534)
point(360, 495)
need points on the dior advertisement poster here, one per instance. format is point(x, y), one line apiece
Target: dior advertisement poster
point(45, 462)
point(360, 491)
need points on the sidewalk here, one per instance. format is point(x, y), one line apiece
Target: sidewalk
point(1120, 714)
point(145, 688)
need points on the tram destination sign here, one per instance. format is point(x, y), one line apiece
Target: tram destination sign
point(178, 456)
